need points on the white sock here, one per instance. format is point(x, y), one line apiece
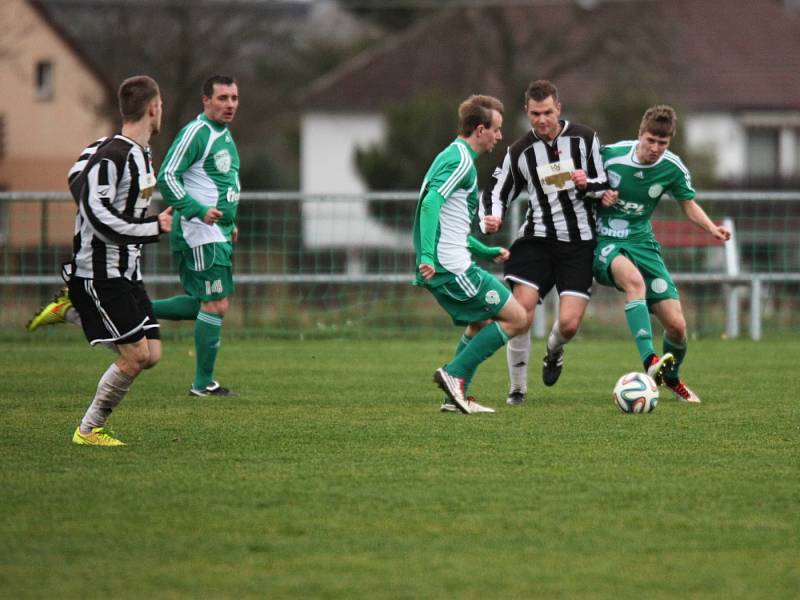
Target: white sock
point(72, 316)
point(518, 351)
point(555, 341)
point(111, 389)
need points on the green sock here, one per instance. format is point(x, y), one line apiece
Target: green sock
point(177, 308)
point(207, 333)
point(638, 318)
point(462, 343)
point(678, 350)
point(483, 345)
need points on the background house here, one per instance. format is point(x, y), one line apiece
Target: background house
point(730, 67)
point(54, 101)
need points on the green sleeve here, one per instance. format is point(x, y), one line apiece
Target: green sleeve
point(429, 225)
point(187, 148)
point(481, 250)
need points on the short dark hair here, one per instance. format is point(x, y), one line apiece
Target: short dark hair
point(134, 94)
point(208, 84)
point(477, 110)
point(540, 90)
point(659, 120)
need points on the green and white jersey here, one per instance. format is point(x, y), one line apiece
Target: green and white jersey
point(441, 230)
point(201, 171)
point(640, 188)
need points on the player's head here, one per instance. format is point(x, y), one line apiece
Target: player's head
point(220, 98)
point(543, 108)
point(656, 131)
point(139, 98)
point(481, 118)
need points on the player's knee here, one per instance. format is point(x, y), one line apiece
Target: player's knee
point(153, 358)
point(217, 307)
point(634, 282)
point(676, 329)
point(519, 320)
point(569, 327)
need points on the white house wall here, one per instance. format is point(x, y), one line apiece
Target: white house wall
point(724, 136)
point(328, 143)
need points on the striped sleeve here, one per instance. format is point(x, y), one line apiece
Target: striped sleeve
point(681, 187)
point(187, 148)
point(503, 186)
point(456, 166)
point(97, 205)
point(596, 181)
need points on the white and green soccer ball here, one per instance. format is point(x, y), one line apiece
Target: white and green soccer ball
point(636, 393)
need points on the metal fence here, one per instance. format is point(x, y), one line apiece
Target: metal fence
point(338, 265)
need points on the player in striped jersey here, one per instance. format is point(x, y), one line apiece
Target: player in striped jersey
point(628, 255)
point(112, 184)
point(558, 164)
point(447, 206)
point(200, 179)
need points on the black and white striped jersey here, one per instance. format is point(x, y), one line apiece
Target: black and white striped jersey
point(112, 183)
point(556, 209)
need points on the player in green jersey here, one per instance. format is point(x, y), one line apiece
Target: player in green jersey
point(444, 217)
point(200, 179)
point(628, 255)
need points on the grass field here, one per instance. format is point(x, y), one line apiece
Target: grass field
point(335, 476)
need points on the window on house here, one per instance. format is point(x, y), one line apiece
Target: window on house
point(762, 151)
point(44, 80)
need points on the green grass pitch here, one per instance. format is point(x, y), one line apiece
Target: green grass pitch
point(335, 476)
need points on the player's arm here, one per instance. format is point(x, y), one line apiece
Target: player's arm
point(112, 225)
point(695, 213)
point(593, 181)
point(503, 187)
point(186, 149)
point(428, 224)
point(481, 250)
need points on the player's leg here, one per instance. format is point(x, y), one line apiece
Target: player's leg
point(571, 309)
point(207, 338)
point(111, 312)
point(58, 310)
point(572, 264)
point(471, 298)
point(518, 350)
point(670, 313)
point(529, 271)
point(627, 277)
point(177, 308)
point(206, 275)
point(470, 332)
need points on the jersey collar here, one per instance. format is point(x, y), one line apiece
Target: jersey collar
point(635, 159)
point(564, 124)
point(466, 145)
point(216, 126)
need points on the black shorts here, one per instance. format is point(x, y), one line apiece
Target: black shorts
point(113, 310)
point(541, 263)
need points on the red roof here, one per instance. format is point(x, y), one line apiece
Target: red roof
point(698, 54)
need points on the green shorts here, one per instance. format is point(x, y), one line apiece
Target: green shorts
point(206, 272)
point(475, 295)
point(646, 256)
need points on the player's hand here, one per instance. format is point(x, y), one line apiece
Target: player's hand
point(212, 216)
point(609, 198)
point(579, 179)
point(235, 235)
point(503, 256)
point(492, 223)
point(427, 271)
point(165, 219)
point(723, 234)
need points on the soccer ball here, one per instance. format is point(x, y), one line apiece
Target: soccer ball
point(636, 393)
